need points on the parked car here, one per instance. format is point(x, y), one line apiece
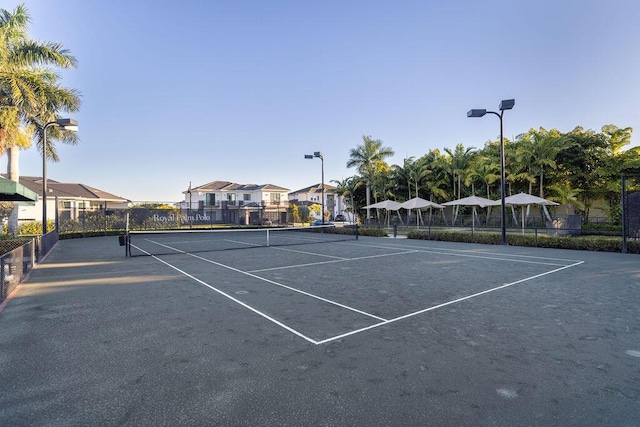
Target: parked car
point(320, 222)
point(340, 218)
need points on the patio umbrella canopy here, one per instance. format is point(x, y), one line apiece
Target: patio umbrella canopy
point(524, 199)
point(472, 201)
point(417, 203)
point(389, 205)
point(385, 204)
point(527, 199)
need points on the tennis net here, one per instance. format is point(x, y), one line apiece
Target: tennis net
point(166, 242)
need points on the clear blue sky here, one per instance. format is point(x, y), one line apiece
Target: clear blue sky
point(204, 90)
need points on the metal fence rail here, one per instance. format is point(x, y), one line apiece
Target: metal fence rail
point(14, 266)
point(19, 257)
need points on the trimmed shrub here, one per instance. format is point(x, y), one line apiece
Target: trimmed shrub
point(591, 243)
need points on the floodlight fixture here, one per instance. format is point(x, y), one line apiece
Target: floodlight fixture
point(476, 113)
point(507, 104)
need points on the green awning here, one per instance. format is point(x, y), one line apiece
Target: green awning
point(11, 191)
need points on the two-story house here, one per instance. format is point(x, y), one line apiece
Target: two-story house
point(231, 203)
point(333, 204)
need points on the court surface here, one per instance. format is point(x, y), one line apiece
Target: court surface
point(376, 331)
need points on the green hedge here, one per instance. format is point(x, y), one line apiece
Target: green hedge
point(580, 243)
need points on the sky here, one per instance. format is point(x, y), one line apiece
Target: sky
point(194, 91)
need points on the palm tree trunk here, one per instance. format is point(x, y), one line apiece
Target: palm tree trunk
point(13, 172)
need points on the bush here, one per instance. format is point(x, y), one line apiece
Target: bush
point(591, 243)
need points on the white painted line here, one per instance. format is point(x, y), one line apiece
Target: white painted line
point(288, 287)
point(269, 281)
point(279, 248)
point(266, 316)
point(447, 303)
point(308, 264)
point(397, 246)
point(498, 257)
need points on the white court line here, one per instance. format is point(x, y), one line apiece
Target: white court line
point(259, 313)
point(383, 321)
point(266, 280)
point(308, 264)
point(398, 246)
point(498, 257)
point(288, 287)
point(386, 322)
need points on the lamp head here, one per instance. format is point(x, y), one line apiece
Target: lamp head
point(476, 113)
point(507, 104)
point(68, 124)
point(308, 156)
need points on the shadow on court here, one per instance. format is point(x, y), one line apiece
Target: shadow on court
point(368, 332)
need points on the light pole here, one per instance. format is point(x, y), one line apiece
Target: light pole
point(189, 209)
point(319, 155)
point(66, 124)
point(505, 104)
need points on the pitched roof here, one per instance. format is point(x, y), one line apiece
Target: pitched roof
point(317, 188)
point(68, 190)
point(231, 186)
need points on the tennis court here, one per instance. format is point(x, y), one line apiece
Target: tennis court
point(373, 331)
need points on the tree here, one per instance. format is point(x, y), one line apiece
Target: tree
point(537, 151)
point(30, 94)
point(459, 159)
point(347, 188)
point(367, 158)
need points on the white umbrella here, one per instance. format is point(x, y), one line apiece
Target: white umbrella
point(417, 203)
point(389, 205)
point(385, 204)
point(528, 199)
point(472, 201)
point(524, 199)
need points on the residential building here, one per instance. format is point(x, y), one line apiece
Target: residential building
point(333, 204)
point(72, 199)
point(231, 203)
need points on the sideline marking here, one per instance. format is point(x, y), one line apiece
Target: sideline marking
point(259, 278)
point(273, 282)
point(415, 313)
point(259, 313)
point(383, 321)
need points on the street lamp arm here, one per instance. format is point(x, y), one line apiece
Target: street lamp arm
point(67, 124)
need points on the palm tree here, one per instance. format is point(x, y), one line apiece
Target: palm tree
point(367, 157)
point(30, 94)
point(347, 188)
point(459, 159)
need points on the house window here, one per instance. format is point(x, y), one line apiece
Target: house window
point(246, 197)
point(275, 197)
point(66, 205)
point(210, 199)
